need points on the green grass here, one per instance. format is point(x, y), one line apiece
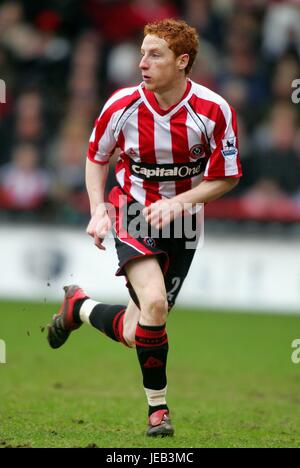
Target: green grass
point(231, 383)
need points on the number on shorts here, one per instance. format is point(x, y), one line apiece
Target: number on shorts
point(176, 284)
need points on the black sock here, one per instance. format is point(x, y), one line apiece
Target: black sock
point(76, 310)
point(152, 350)
point(152, 409)
point(106, 318)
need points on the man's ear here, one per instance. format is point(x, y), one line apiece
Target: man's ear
point(183, 61)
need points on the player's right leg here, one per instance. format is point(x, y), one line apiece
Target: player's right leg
point(115, 321)
point(131, 318)
point(63, 323)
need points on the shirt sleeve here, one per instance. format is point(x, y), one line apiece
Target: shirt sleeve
point(102, 141)
point(224, 160)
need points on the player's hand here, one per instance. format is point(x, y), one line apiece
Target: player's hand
point(162, 212)
point(99, 226)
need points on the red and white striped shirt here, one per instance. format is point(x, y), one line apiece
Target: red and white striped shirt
point(164, 153)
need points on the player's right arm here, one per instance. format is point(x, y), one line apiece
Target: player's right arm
point(100, 224)
point(101, 146)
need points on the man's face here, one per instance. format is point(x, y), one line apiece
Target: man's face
point(159, 65)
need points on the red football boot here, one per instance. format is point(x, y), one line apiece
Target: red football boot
point(63, 323)
point(160, 424)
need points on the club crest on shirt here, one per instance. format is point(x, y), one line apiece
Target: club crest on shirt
point(197, 151)
point(229, 147)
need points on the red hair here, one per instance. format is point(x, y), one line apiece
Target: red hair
point(181, 38)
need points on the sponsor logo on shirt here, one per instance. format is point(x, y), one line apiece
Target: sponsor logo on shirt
point(229, 148)
point(168, 172)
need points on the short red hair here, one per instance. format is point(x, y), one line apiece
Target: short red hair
point(181, 38)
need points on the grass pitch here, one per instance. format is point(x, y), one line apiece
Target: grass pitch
point(231, 383)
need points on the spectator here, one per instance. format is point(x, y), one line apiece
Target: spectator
point(24, 185)
point(281, 28)
point(274, 153)
point(58, 62)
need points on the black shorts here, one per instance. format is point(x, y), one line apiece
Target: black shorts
point(172, 253)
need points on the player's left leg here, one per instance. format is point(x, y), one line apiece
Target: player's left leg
point(147, 280)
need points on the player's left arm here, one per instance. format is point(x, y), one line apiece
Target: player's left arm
point(223, 169)
point(207, 191)
point(162, 212)
point(222, 173)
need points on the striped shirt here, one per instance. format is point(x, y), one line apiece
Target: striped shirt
point(164, 153)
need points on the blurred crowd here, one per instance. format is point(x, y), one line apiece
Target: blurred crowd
point(61, 60)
